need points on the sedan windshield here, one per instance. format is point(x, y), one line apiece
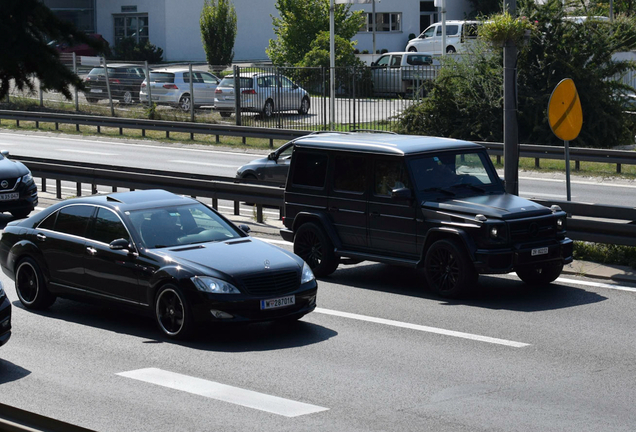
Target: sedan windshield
point(181, 225)
point(455, 174)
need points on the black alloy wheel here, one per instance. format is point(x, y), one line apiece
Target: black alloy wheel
point(451, 50)
point(312, 245)
point(172, 313)
point(449, 271)
point(541, 275)
point(412, 49)
point(30, 286)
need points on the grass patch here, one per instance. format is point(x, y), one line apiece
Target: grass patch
point(601, 253)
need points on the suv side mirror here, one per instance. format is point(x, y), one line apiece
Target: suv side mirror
point(402, 194)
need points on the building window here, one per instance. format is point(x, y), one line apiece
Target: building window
point(131, 26)
point(385, 22)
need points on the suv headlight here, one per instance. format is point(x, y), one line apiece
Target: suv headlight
point(560, 223)
point(1, 291)
point(214, 285)
point(307, 275)
point(27, 178)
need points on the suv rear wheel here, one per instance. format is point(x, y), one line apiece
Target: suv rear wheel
point(312, 244)
point(449, 271)
point(540, 275)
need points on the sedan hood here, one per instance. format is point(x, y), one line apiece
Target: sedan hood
point(11, 169)
point(233, 257)
point(500, 206)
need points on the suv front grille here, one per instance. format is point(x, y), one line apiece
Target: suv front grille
point(272, 283)
point(10, 183)
point(529, 230)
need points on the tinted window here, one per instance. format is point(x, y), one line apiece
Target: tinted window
point(161, 77)
point(389, 174)
point(311, 169)
point(229, 82)
point(49, 222)
point(108, 227)
point(449, 169)
point(419, 59)
point(396, 60)
point(452, 30)
point(74, 219)
point(349, 174)
point(266, 81)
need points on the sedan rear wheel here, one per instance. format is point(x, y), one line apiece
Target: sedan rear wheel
point(30, 286)
point(172, 313)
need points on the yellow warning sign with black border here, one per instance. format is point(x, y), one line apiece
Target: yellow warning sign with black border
point(564, 111)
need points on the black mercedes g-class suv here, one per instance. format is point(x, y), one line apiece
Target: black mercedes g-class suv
point(416, 201)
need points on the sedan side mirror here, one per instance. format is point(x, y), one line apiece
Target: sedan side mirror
point(120, 244)
point(5, 153)
point(271, 156)
point(245, 228)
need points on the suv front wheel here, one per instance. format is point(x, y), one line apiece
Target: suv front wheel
point(449, 271)
point(312, 245)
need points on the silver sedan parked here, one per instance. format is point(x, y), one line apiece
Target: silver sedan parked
point(172, 87)
point(263, 93)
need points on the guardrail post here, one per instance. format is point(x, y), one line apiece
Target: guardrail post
point(57, 126)
point(215, 203)
point(93, 188)
point(43, 188)
point(577, 165)
point(114, 188)
point(618, 168)
point(78, 189)
point(237, 208)
point(58, 188)
point(536, 163)
point(259, 213)
point(271, 143)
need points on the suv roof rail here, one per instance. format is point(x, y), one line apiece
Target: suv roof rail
point(374, 131)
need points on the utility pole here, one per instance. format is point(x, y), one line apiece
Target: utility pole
point(511, 131)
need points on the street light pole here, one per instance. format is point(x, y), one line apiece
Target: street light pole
point(511, 132)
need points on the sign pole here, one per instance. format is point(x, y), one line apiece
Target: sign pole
point(567, 169)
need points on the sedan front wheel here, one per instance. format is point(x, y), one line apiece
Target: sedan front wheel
point(172, 313)
point(30, 285)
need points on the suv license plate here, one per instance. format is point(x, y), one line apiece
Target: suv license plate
point(9, 196)
point(278, 302)
point(539, 251)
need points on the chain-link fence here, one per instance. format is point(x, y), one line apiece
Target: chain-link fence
point(280, 97)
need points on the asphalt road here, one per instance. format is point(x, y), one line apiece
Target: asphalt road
point(207, 160)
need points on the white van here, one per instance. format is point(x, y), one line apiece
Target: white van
point(459, 35)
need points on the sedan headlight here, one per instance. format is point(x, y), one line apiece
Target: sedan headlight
point(27, 178)
point(307, 275)
point(213, 285)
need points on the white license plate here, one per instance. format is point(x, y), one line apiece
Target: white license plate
point(278, 302)
point(539, 251)
point(9, 196)
point(96, 90)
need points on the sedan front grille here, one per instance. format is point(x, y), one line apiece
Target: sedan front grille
point(272, 283)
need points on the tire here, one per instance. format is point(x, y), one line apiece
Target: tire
point(449, 271)
point(268, 109)
point(225, 114)
point(304, 106)
point(184, 102)
point(172, 313)
point(31, 287)
point(127, 97)
point(20, 214)
point(312, 245)
point(541, 275)
point(412, 49)
point(450, 50)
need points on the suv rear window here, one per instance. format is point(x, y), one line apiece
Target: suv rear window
point(161, 77)
point(229, 82)
point(311, 169)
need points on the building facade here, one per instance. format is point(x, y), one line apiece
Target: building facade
point(173, 25)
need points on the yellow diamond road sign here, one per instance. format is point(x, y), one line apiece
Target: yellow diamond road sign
point(564, 111)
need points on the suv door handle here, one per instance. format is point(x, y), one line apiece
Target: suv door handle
point(40, 236)
point(91, 250)
point(374, 214)
point(334, 209)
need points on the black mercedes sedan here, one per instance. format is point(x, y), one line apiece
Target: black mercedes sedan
point(18, 191)
point(5, 317)
point(165, 255)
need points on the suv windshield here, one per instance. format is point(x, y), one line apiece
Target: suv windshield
point(459, 173)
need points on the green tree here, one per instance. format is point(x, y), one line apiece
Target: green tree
point(218, 31)
point(27, 26)
point(484, 7)
point(300, 23)
point(129, 49)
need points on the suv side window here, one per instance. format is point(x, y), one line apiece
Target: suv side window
point(395, 61)
point(429, 32)
point(108, 227)
point(383, 61)
point(389, 174)
point(349, 174)
point(74, 219)
point(310, 169)
point(452, 30)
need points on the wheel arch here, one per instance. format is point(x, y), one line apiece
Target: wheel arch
point(27, 249)
point(165, 275)
point(443, 233)
point(322, 221)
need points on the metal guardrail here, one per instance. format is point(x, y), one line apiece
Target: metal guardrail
point(587, 222)
point(17, 420)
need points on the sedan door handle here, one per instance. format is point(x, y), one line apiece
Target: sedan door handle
point(40, 236)
point(91, 250)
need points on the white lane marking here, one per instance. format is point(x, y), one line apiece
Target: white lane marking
point(224, 393)
point(204, 163)
point(423, 328)
point(580, 182)
point(597, 284)
point(87, 152)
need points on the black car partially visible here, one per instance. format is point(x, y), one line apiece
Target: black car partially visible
point(18, 192)
point(157, 253)
point(124, 81)
point(5, 317)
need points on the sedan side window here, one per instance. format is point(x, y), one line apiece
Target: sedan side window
point(108, 227)
point(74, 219)
point(208, 78)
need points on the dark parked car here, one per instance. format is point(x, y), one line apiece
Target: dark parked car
point(81, 49)
point(161, 254)
point(5, 317)
point(18, 192)
point(416, 201)
point(124, 79)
